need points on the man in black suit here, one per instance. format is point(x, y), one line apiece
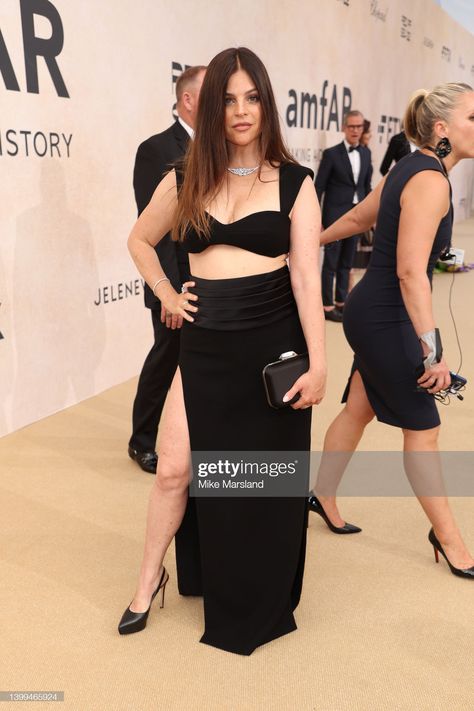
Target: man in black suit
point(343, 180)
point(398, 148)
point(154, 159)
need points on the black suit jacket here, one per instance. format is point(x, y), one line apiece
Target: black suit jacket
point(398, 147)
point(335, 181)
point(155, 157)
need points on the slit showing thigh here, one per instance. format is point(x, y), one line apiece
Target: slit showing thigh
point(173, 435)
point(356, 396)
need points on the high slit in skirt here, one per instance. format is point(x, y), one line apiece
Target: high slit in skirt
point(244, 555)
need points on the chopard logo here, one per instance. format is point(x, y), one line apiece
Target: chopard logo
point(445, 53)
point(377, 12)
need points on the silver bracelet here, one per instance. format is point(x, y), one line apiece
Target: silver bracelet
point(158, 282)
point(433, 341)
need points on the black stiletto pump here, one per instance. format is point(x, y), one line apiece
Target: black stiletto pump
point(136, 621)
point(437, 547)
point(315, 505)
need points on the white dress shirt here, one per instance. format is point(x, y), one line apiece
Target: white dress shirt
point(188, 129)
point(354, 157)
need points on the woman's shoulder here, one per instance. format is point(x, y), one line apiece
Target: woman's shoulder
point(424, 168)
point(292, 177)
point(427, 189)
point(293, 174)
point(416, 162)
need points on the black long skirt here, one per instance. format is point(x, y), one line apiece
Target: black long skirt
point(245, 555)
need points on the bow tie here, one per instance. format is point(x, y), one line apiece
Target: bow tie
point(353, 148)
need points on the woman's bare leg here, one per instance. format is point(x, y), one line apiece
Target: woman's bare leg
point(340, 442)
point(423, 469)
point(168, 496)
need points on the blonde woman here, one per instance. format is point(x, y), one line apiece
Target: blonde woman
point(389, 321)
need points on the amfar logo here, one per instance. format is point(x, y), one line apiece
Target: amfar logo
point(304, 108)
point(34, 47)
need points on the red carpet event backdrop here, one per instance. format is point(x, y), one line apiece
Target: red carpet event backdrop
point(83, 83)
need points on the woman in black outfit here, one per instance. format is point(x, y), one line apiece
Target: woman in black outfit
point(240, 205)
point(388, 318)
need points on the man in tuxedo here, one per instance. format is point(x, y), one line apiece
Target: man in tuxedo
point(398, 147)
point(155, 157)
point(343, 179)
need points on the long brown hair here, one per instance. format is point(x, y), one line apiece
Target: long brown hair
point(207, 158)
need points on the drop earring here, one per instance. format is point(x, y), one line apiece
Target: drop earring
point(443, 148)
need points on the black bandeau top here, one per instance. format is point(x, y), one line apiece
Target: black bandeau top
point(266, 232)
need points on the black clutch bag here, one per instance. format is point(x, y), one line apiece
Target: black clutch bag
point(280, 376)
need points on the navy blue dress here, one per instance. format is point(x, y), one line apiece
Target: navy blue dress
point(387, 352)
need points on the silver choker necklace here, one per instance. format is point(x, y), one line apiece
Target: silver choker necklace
point(243, 171)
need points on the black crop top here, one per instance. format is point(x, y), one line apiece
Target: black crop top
point(266, 232)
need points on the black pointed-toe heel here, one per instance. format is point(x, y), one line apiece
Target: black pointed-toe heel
point(315, 505)
point(136, 621)
point(437, 547)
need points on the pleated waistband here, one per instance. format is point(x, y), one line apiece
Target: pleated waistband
point(243, 302)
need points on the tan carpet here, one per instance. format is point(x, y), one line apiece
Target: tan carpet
point(381, 627)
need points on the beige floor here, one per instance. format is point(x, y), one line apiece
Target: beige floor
point(381, 627)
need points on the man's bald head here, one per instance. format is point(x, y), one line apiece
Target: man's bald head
point(188, 87)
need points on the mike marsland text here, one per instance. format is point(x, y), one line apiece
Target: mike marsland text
point(229, 484)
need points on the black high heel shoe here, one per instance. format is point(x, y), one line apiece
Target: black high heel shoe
point(315, 505)
point(136, 621)
point(460, 572)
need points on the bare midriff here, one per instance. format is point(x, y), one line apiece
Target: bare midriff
point(222, 261)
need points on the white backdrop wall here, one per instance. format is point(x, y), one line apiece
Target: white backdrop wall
point(72, 318)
